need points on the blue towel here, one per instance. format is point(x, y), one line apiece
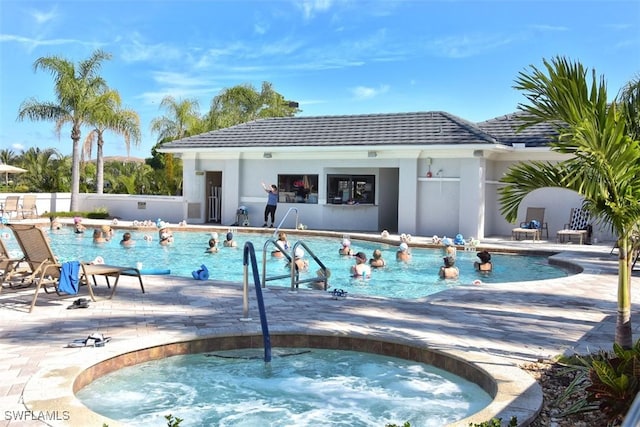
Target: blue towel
point(69, 277)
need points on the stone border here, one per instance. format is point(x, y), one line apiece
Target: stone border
point(514, 392)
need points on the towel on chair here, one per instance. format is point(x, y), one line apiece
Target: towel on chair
point(69, 277)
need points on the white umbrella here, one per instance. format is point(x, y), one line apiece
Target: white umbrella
point(7, 169)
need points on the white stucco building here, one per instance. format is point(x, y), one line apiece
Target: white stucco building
point(422, 173)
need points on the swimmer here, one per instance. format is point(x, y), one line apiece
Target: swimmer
point(107, 232)
point(229, 242)
point(98, 237)
point(361, 268)
point(299, 261)
point(449, 249)
point(345, 249)
point(77, 225)
point(485, 261)
point(377, 261)
point(213, 246)
point(126, 240)
point(320, 283)
point(54, 223)
point(449, 269)
point(283, 243)
point(403, 253)
point(166, 239)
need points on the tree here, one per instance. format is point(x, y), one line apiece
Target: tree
point(109, 116)
point(7, 156)
point(76, 89)
point(243, 103)
point(604, 163)
point(44, 173)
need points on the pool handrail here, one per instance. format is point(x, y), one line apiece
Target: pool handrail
point(295, 280)
point(275, 232)
point(274, 242)
point(249, 252)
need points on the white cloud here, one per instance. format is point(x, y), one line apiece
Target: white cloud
point(17, 147)
point(363, 92)
point(547, 28)
point(467, 46)
point(43, 17)
point(311, 7)
point(135, 50)
point(30, 44)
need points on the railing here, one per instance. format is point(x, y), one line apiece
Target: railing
point(295, 275)
point(275, 232)
point(265, 251)
point(249, 252)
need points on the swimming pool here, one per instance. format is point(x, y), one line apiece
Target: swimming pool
point(415, 279)
point(300, 387)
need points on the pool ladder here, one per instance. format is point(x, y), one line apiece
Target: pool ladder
point(293, 273)
point(250, 254)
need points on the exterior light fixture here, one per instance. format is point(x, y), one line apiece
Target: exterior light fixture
point(266, 155)
point(372, 154)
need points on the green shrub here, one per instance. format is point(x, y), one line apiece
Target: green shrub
point(496, 422)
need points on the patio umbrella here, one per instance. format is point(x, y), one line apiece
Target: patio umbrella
point(7, 169)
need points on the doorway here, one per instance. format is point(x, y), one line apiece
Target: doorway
point(214, 197)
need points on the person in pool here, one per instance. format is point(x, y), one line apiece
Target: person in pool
point(345, 249)
point(449, 269)
point(126, 240)
point(283, 243)
point(403, 253)
point(165, 239)
point(377, 261)
point(77, 225)
point(361, 268)
point(229, 242)
point(98, 237)
point(54, 223)
point(213, 244)
point(300, 262)
point(485, 261)
point(320, 283)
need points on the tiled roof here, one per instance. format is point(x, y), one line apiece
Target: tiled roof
point(406, 129)
point(504, 129)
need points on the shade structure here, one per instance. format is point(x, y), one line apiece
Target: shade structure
point(7, 169)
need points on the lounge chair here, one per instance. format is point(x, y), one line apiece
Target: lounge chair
point(578, 227)
point(11, 206)
point(47, 272)
point(9, 266)
point(526, 227)
point(29, 208)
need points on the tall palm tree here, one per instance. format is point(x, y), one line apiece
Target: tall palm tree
point(109, 116)
point(604, 163)
point(76, 89)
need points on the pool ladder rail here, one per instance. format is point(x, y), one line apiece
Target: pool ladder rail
point(293, 274)
point(249, 254)
point(275, 232)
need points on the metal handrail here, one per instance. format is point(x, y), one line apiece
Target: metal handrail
point(295, 279)
point(265, 249)
point(275, 232)
point(249, 252)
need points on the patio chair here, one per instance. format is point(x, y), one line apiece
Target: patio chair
point(535, 216)
point(11, 206)
point(29, 208)
point(9, 266)
point(577, 227)
point(46, 271)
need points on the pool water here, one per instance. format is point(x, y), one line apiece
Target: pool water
point(309, 387)
point(414, 279)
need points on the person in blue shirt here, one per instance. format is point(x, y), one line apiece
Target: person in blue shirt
point(272, 203)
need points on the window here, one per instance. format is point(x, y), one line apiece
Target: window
point(298, 188)
point(351, 189)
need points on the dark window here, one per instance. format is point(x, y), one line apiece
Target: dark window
point(351, 189)
point(298, 188)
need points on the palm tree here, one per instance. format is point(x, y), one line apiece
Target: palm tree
point(76, 89)
point(44, 174)
point(7, 156)
point(110, 116)
point(604, 159)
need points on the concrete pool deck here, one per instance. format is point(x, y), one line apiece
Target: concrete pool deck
point(496, 324)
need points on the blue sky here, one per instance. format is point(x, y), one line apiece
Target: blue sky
point(332, 56)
